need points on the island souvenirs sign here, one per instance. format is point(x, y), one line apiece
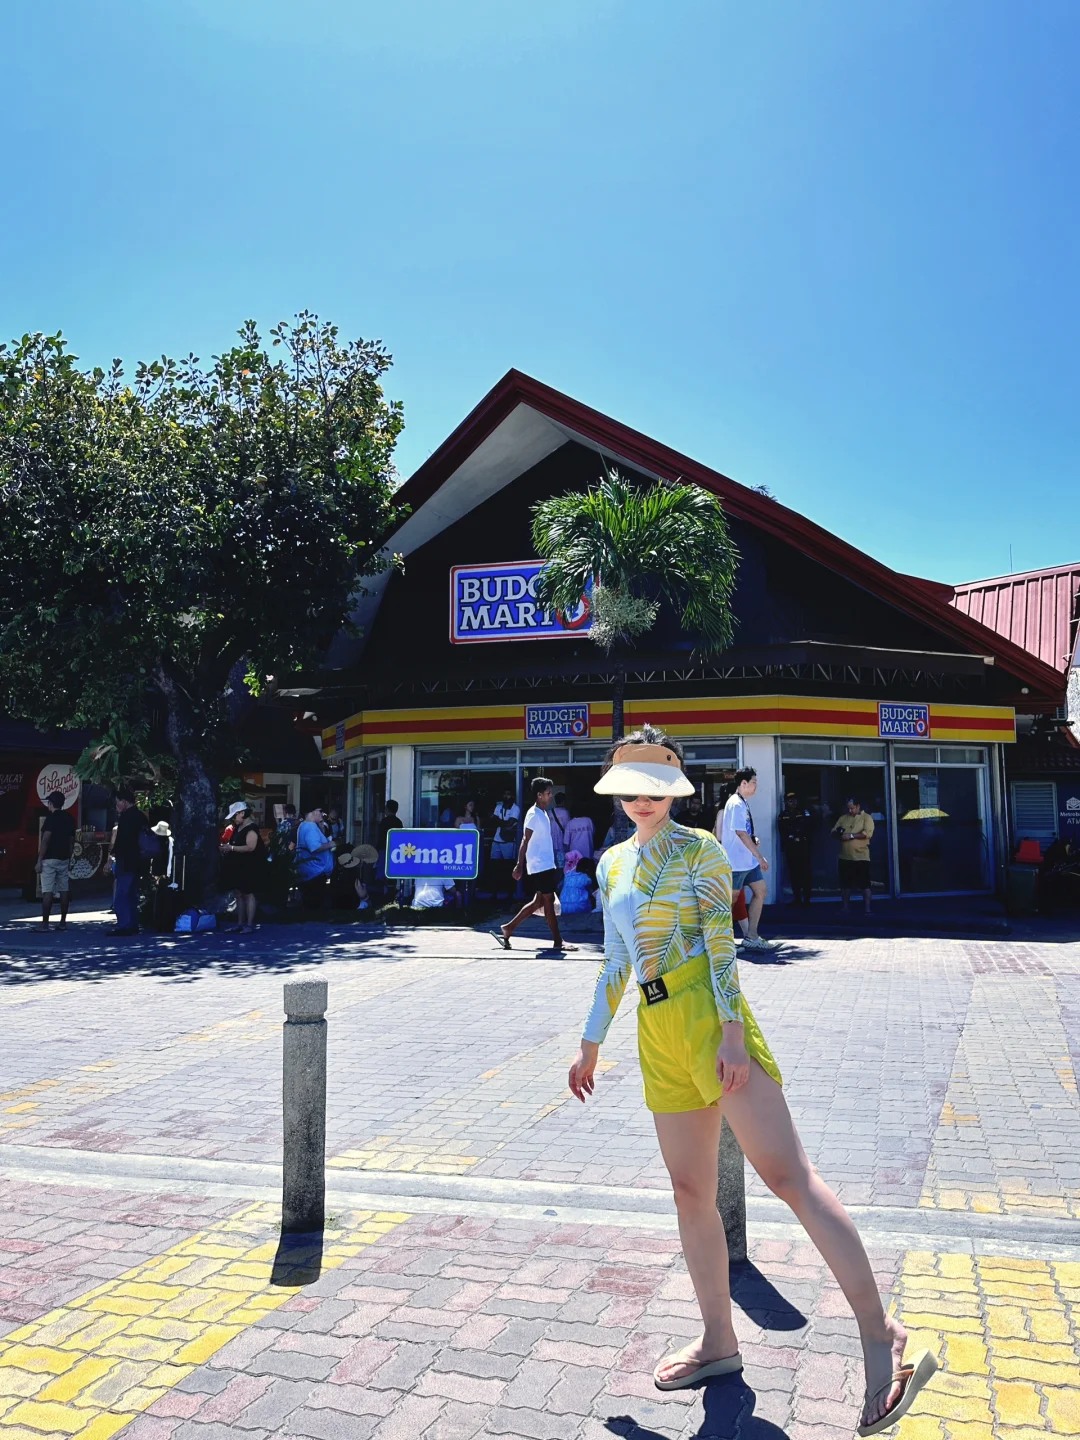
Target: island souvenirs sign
point(903, 721)
point(433, 854)
point(499, 602)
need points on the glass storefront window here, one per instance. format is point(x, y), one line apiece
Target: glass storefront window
point(943, 842)
point(824, 791)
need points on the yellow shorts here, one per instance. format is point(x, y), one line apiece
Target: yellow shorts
point(678, 1039)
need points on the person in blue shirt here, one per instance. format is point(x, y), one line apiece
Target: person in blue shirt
point(314, 859)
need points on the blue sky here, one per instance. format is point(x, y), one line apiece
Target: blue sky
point(828, 246)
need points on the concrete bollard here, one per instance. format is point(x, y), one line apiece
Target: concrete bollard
point(731, 1193)
point(303, 1092)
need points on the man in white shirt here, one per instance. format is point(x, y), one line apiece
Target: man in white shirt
point(735, 827)
point(536, 859)
point(504, 843)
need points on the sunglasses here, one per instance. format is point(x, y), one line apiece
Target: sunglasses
point(652, 799)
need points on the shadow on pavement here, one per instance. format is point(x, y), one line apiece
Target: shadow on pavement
point(757, 1297)
point(298, 1260)
point(729, 1413)
point(85, 954)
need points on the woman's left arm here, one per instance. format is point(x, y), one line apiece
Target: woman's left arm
point(710, 875)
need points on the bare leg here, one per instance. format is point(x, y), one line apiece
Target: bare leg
point(757, 901)
point(46, 906)
point(866, 900)
point(548, 905)
point(689, 1143)
point(531, 907)
point(65, 901)
point(845, 902)
point(762, 1123)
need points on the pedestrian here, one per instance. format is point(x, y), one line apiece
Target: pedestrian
point(581, 836)
point(794, 827)
point(335, 826)
point(507, 813)
point(314, 859)
point(559, 811)
point(667, 924)
point(55, 847)
point(854, 830)
point(536, 859)
point(390, 821)
point(748, 864)
point(245, 862)
point(129, 862)
point(287, 828)
point(469, 820)
point(692, 814)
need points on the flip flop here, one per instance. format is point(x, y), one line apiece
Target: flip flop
point(730, 1365)
point(912, 1378)
point(501, 938)
point(559, 949)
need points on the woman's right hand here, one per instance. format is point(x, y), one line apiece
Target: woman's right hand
point(581, 1072)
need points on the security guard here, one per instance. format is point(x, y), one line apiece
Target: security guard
point(794, 828)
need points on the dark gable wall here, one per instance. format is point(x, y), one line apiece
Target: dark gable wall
point(782, 596)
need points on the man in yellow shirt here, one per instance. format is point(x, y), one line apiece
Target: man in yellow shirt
point(854, 830)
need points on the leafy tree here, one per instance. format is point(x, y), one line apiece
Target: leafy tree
point(634, 547)
point(172, 539)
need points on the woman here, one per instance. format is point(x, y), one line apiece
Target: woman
point(246, 855)
point(470, 820)
point(314, 859)
point(667, 921)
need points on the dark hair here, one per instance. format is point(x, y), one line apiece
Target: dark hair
point(647, 735)
point(392, 806)
point(55, 799)
point(290, 809)
point(746, 773)
point(560, 796)
point(853, 800)
point(540, 784)
point(126, 793)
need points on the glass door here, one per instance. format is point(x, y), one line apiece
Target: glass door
point(943, 840)
point(824, 791)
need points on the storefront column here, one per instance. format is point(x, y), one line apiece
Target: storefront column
point(399, 779)
point(761, 752)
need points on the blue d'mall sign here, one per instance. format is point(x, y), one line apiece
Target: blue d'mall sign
point(556, 722)
point(499, 602)
point(903, 721)
point(432, 854)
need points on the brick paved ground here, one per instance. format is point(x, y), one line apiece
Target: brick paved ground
point(928, 1077)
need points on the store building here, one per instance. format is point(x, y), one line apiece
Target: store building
point(1039, 610)
point(845, 677)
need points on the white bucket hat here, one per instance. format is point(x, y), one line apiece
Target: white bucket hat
point(652, 770)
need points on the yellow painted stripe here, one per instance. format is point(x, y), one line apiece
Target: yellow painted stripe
point(86, 1369)
point(705, 717)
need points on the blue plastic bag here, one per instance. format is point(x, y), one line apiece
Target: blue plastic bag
point(188, 922)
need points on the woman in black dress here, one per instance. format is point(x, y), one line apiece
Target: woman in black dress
point(245, 857)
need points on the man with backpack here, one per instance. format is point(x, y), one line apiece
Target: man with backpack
point(133, 848)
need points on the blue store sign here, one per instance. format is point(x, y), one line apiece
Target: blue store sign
point(556, 722)
point(1068, 793)
point(499, 602)
point(432, 854)
point(903, 721)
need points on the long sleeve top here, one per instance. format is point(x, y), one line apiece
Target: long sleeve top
point(665, 903)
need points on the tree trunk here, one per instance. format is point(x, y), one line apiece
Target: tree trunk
point(618, 700)
point(195, 808)
point(620, 822)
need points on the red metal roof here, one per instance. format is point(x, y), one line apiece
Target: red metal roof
point(1037, 610)
point(926, 600)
